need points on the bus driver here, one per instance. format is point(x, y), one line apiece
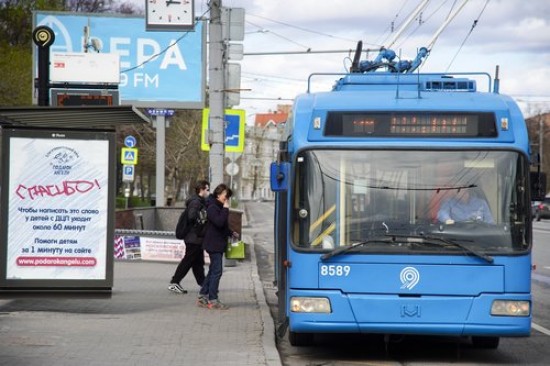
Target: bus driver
point(464, 207)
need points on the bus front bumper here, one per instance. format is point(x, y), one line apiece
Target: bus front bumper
point(392, 314)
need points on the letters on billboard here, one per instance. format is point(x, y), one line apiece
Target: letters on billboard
point(157, 69)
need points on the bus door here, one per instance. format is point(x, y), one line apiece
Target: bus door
point(281, 242)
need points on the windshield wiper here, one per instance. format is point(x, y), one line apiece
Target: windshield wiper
point(345, 249)
point(430, 238)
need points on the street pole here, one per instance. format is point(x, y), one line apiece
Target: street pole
point(43, 37)
point(541, 134)
point(160, 161)
point(216, 124)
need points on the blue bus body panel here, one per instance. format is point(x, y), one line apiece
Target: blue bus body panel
point(443, 273)
point(384, 278)
point(385, 101)
point(453, 295)
point(430, 315)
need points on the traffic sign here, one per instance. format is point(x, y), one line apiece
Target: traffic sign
point(128, 173)
point(234, 130)
point(232, 169)
point(129, 156)
point(160, 112)
point(130, 141)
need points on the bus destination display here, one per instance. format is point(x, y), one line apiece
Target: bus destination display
point(410, 124)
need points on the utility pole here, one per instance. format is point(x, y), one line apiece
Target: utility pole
point(161, 160)
point(216, 123)
point(541, 138)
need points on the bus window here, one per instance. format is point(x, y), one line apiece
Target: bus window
point(346, 196)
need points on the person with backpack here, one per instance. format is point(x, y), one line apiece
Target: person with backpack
point(215, 241)
point(191, 228)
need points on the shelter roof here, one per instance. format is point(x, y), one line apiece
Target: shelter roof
point(74, 117)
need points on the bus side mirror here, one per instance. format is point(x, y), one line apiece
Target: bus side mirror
point(538, 186)
point(279, 176)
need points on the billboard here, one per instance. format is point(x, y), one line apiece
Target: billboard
point(157, 69)
point(57, 209)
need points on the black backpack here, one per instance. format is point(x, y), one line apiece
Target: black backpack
point(183, 227)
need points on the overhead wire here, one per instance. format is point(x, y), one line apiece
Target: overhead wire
point(474, 24)
point(391, 26)
point(268, 77)
point(301, 28)
point(451, 9)
point(421, 22)
point(264, 30)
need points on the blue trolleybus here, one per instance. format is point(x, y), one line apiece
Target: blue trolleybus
point(370, 236)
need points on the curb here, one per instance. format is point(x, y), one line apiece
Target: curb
point(272, 357)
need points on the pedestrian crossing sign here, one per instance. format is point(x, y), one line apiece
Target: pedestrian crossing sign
point(129, 156)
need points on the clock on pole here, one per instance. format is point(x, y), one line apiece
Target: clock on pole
point(169, 15)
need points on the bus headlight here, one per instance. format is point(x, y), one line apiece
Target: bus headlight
point(310, 305)
point(511, 308)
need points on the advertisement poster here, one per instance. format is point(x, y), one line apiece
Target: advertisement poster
point(57, 212)
point(148, 248)
point(162, 249)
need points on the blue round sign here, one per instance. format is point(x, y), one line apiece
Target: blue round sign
point(130, 141)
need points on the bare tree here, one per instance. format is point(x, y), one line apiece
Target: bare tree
point(185, 162)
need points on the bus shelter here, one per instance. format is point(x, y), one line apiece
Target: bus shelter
point(57, 201)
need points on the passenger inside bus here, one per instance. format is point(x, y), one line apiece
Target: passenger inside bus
point(466, 206)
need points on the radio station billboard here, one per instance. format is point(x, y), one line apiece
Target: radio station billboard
point(157, 69)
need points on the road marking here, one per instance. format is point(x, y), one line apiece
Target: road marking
point(540, 328)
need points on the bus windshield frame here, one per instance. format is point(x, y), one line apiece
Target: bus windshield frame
point(348, 196)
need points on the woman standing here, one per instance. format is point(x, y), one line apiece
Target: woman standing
point(215, 241)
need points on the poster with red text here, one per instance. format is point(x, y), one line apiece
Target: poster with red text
point(57, 209)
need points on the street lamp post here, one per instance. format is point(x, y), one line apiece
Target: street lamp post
point(541, 134)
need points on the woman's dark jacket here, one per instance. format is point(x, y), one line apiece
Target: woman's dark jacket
point(217, 227)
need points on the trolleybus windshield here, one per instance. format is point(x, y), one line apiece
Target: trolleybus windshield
point(475, 198)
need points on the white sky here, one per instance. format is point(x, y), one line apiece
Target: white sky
point(514, 34)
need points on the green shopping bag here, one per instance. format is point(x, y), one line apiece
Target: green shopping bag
point(235, 250)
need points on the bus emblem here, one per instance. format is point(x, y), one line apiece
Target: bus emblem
point(409, 277)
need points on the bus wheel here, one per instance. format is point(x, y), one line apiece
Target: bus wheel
point(486, 342)
point(300, 339)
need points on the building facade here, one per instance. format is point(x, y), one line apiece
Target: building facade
point(261, 148)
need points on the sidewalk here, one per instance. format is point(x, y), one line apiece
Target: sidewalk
point(143, 323)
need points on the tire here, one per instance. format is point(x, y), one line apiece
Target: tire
point(486, 342)
point(300, 339)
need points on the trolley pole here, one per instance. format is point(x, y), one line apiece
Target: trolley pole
point(216, 127)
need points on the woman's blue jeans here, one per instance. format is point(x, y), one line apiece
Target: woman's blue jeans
point(212, 280)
